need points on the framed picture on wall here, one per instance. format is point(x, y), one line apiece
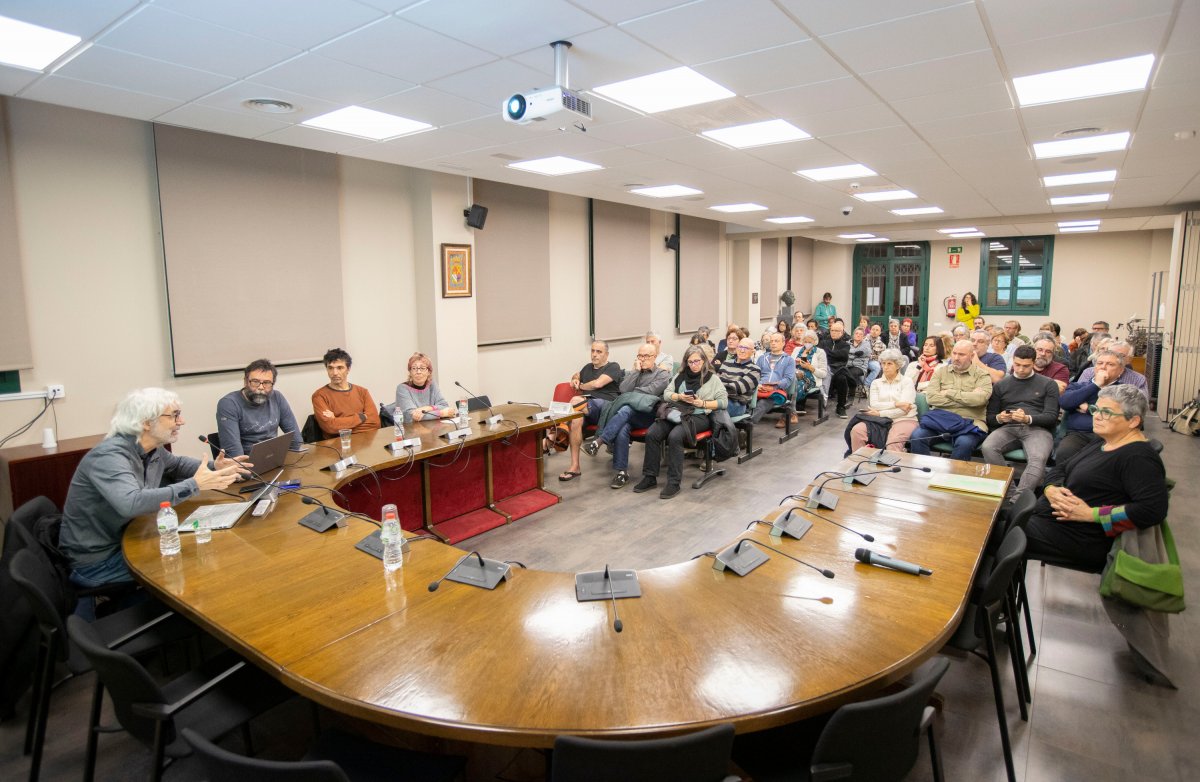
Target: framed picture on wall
point(456, 271)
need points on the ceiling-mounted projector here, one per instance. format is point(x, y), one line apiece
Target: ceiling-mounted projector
point(536, 105)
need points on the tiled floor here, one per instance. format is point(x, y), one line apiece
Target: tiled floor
point(1091, 719)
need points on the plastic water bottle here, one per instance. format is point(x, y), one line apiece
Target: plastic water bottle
point(202, 531)
point(393, 539)
point(462, 413)
point(168, 530)
point(399, 427)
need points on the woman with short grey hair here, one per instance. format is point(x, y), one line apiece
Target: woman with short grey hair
point(891, 396)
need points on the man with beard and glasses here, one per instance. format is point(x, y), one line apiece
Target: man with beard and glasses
point(256, 412)
point(1046, 366)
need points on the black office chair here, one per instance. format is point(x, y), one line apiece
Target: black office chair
point(223, 694)
point(696, 757)
point(311, 432)
point(986, 607)
point(214, 444)
point(336, 757)
point(894, 723)
point(136, 630)
point(1018, 517)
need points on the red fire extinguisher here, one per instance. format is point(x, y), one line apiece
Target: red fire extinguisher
point(951, 304)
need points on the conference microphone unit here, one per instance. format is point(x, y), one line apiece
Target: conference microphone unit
point(492, 418)
point(204, 439)
point(607, 584)
point(823, 571)
point(541, 415)
point(744, 556)
point(888, 458)
point(324, 518)
point(819, 498)
point(802, 509)
point(484, 573)
point(868, 557)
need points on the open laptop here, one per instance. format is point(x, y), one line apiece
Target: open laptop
point(224, 515)
point(270, 454)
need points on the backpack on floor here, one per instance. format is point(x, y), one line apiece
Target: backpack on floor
point(1187, 420)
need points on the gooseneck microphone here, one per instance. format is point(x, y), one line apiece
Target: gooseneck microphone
point(473, 395)
point(868, 557)
point(822, 571)
point(863, 535)
point(328, 510)
point(433, 587)
point(538, 405)
point(817, 498)
point(617, 625)
point(204, 439)
point(895, 467)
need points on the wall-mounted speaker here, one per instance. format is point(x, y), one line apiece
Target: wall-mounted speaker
point(672, 242)
point(476, 216)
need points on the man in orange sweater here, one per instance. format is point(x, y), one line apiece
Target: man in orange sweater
point(340, 405)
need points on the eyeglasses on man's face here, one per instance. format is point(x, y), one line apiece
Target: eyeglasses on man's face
point(268, 384)
point(177, 415)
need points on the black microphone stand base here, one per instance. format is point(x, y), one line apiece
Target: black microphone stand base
point(593, 586)
point(822, 499)
point(741, 559)
point(793, 527)
point(487, 576)
point(321, 520)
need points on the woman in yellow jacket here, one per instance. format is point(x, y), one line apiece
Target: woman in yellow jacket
point(968, 311)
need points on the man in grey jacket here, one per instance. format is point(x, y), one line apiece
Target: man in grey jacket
point(127, 475)
point(647, 377)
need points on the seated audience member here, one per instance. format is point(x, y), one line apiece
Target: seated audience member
point(811, 325)
point(741, 377)
point(875, 339)
point(842, 377)
point(784, 327)
point(255, 413)
point(1052, 328)
point(727, 348)
point(812, 368)
point(665, 360)
point(947, 342)
point(1022, 413)
point(778, 371)
point(129, 474)
point(1046, 366)
point(891, 396)
point(641, 390)
point(340, 405)
point(1078, 337)
point(1012, 330)
point(704, 332)
point(906, 329)
point(695, 392)
point(418, 398)
point(895, 340)
point(1114, 485)
point(958, 395)
point(860, 355)
point(920, 372)
point(1076, 399)
point(793, 340)
point(598, 383)
point(1129, 375)
point(959, 332)
point(1001, 345)
point(992, 362)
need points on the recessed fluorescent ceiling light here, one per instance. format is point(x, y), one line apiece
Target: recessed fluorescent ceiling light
point(1079, 230)
point(918, 210)
point(739, 208)
point(1080, 179)
point(31, 46)
point(756, 134)
point(885, 195)
point(876, 239)
point(833, 173)
point(366, 123)
point(968, 235)
point(1077, 223)
point(664, 91)
point(666, 191)
point(956, 230)
point(788, 220)
point(855, 236)
point(1086, 81)
point(1093, 198)
point(554, 166)
point(1109, 142)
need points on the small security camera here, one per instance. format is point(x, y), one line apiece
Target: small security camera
point(855, 185)
point(846, 210)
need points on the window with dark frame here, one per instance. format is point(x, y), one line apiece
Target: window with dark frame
point(1015, 274)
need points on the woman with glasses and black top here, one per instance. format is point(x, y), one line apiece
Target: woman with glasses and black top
point(695, 392)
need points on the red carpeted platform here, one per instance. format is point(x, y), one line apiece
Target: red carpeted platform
point(521, 505)
point(468, 525)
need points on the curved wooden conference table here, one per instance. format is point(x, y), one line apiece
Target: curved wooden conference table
point(526, 662)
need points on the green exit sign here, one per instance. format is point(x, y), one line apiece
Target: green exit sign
point(954, 250)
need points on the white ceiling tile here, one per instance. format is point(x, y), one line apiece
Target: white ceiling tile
point(1084, 47)
point(311, 138)
point(97, 97)
point(833, 123)
point(84, 18)
point(1010, 19)
point(790, 65)
point(431, 146)
point(902, 158)
point(492, 83)
point(825, 18)
point(820, 98)
point(961, 102)
point(932, 35)
point(126, 71)
point(600, 57)
point(13, 80)
point(971, 125)
point(299, 23)
point(705, 30)
point(495, 130)
point(614, 11)
point(432, 106)
point(639, 130)
point(1186, 34)
point(507, 29)
point(230, 99)
point(405, 51)
point(1179, 68)
point(933, 76)
point(245, 124)
point(331, 80)
point(693, 151)
point(1111, 113)
point(860, 145)
point(163, 35)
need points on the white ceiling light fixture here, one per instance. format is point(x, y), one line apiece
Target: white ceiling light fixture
point(856, 236)
point(756, 134)
point(664, 91)
point(32, 46)
point(1086, 81)
point(788, 220)
point(666, 191)
point(555, 166)
point(967, 235)
point(1089, 145)
point(1091, 198)
point(1089, 178)
point(733, 208)
point(366, 123)
point(1077, 223)
point(886, 195)
point(834, 173)
point(918, 210)
point(1079, 230)
point(875, 239)
point(964, 229)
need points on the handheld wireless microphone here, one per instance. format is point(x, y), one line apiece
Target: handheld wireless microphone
point(868, 557)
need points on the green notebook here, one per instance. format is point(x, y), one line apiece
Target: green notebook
point(970, 484)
